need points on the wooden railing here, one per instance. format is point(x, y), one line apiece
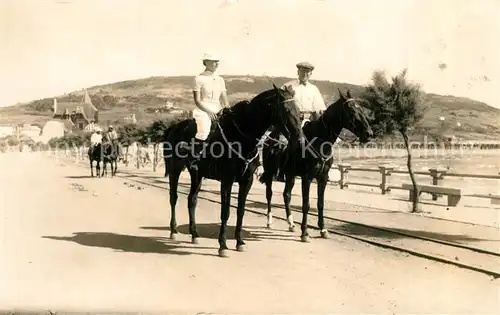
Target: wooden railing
point(386, 171)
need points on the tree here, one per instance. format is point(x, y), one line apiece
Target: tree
point(156, 132)
point(396, 106)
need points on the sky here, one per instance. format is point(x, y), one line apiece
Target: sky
point(51, 47)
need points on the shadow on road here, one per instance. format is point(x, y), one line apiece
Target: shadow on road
point(211, 231)
point(208, 230)
point(354, 229)
point(130, 243)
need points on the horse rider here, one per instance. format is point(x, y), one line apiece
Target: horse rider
point(209, 90)
point(95, 139)
point(307, 97)
point(111, 135)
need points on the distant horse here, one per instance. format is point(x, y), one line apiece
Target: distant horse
point(235, 137)
point(95, 154)
point(106, 152)
point(111, 154)
point(314, 160)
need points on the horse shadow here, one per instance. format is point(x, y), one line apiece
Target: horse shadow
point(211, 231)
point(131, 243)
point(78, 177)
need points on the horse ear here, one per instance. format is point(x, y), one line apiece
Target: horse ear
point(340, 93)
point(274, 86)
point(290, 89)
point(348, 93)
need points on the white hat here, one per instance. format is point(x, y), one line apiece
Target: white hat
point(210, 56)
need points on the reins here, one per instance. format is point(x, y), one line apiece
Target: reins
point(323, 159)
point(245, 160)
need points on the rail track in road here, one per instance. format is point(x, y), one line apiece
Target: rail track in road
point(453, 253)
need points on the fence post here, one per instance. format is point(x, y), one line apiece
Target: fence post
point(436, 176)
point(343, 169)
point(385, 171)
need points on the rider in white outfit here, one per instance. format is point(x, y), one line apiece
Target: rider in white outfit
point(208, 91)
point(307, 95)
point(95, 138)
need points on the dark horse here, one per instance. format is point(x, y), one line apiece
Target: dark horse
point(314, 160)
point(234, 137)
point(106, 152)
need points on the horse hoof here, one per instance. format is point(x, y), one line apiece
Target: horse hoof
point(173, 236)
point(195, 240)
point(223, 252)
point(241, 248)
point(291, 228)
point(304, 239)
point(324, 234)
point(270, 226)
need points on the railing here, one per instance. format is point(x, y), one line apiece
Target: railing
point(386, 171)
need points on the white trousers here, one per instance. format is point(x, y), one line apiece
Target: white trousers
point(203, 121)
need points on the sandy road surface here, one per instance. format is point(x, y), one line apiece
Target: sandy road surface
point(98, 244)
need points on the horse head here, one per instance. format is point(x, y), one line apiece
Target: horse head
point(273, 107)
point(285, 114)
point(347, 113)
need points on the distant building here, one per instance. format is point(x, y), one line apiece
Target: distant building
point(76, 115)
point(7, 130)
point(92, 127)
point(130, 119)
point(29, 131)
point(53, 129)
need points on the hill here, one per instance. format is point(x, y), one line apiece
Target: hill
point(144, 97)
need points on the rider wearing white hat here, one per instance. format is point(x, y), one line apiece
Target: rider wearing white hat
point(208, 91)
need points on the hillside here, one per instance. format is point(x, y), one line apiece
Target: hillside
point(143, 96)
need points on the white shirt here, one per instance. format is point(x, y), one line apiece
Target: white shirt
point(307, 97)
point(96, 138)
point(210, 86)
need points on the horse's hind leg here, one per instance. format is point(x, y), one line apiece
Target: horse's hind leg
point(225, 194)
point(287, 196)
point(91, 168)
point(173, 182)
point(244, 189)
point(306, 186)
point(196, 181)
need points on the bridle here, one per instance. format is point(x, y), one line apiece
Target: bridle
point(274, 115)
point(321, 118)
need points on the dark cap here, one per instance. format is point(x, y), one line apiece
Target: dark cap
point(305, 65)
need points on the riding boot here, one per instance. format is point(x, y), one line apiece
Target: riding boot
point(196, 152)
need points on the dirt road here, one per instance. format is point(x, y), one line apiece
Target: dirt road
point(72, 243)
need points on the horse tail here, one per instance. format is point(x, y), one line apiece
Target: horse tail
point(266, 177)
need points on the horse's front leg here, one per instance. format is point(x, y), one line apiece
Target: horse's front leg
point(175, 171)
point(98, 168)
point(104, 168)
point(269, 197)
point(287, 197)
point(114, 167)
point(225, 196)
point(322, 182)
point(306, 186)
point(91, 168)
point(196, 181)
point(244, 189)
